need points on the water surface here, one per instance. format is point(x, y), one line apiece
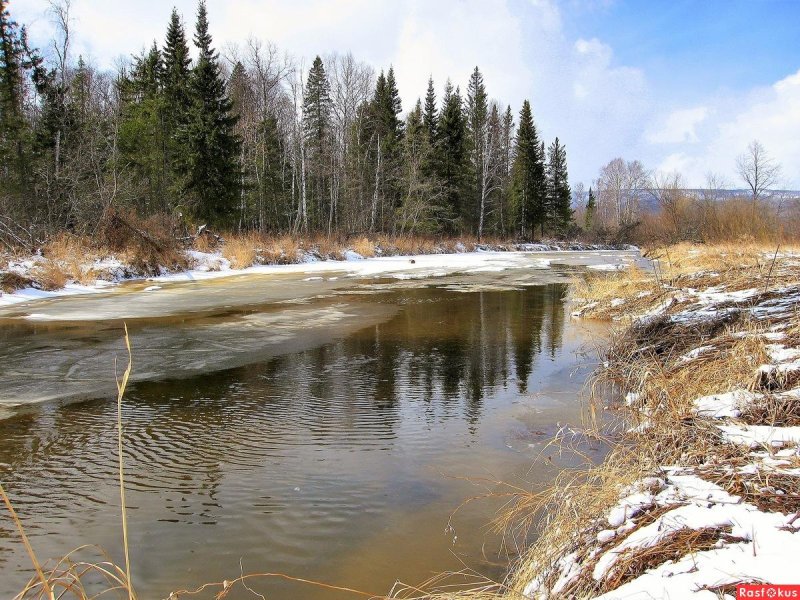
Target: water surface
point(328, 438)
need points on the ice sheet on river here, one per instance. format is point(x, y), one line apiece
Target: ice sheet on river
point(215, 291)
point(64, 347)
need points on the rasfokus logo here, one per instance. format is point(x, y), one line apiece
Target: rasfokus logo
point(767, 591)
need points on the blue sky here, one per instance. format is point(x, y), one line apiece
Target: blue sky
point(694, 45)
point(680, 85)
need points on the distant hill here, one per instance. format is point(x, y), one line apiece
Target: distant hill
point(648, 202)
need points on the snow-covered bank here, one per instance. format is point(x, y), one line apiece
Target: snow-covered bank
point(207, 266)
point(704, 492)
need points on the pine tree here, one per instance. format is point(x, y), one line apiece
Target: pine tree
point(558, 192)
point(452, 158)
point(528, 176)
point(591, 208)
point(212, 148)
point(316, 126)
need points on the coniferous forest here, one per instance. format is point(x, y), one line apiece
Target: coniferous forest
point(254, 140)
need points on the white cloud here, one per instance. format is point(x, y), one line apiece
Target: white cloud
point(770, 115)
point(679, 126)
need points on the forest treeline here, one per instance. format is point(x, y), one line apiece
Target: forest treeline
point(255, 143)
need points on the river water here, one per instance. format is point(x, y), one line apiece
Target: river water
point(326, 428)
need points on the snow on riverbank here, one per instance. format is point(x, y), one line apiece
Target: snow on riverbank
point(717, 501)
point(207, 266)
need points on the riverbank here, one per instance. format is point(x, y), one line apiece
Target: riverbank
point(73, 265)
point(702, 490)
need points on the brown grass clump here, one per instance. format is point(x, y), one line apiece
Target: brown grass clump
point(674, 547)
point(364, 246)
point(205, 242)
point(611, 295)
point(71, 255)
point(147, 245)
point(11, 281)
point(327, 247)
point(51, 276)
point(280, 250)
point(241, 250)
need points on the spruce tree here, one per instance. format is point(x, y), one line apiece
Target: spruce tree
point(141, 133)
point(176, 105)
point(418, 210)
point(452, 158)
point(386, 134)
point(211, 146)
point(17, 62)
point(558, 192)
point(528, 189)
point(316, 125)
point(430, 116)
point(477, 115)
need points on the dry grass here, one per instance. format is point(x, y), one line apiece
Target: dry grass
point(242, 250)
point(364, 246)
point(50, 276)
point(734, 266)
point(10, 281)
point(648, 357)
point(280, 250)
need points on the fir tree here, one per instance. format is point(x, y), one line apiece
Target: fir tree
point(558, 192)
point(591, 208)
point(212, 148)
point(386, 133)
point(528, 189)
point(316, 104)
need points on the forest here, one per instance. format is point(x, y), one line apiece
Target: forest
point(253, 141)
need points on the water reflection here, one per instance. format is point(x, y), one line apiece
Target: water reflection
point(305, 461)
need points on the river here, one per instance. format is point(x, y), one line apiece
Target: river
point(322, 424)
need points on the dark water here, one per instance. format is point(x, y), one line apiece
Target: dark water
point(340, 459)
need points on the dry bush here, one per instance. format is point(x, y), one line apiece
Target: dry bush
point(205, 242)
point(719, 221)
point(409, 245)
point(364, 246)
point(280, 250)
point(328, 247)
point(51, 276)
point(72, 254)
point(148, 245)
point(241, 250)
point(10, 281)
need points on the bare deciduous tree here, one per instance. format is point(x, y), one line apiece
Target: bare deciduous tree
point(758, 169)
point(619, 186)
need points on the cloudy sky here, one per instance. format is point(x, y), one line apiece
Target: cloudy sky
point(680, 85)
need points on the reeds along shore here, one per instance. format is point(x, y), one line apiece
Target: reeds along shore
point(702, 488)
